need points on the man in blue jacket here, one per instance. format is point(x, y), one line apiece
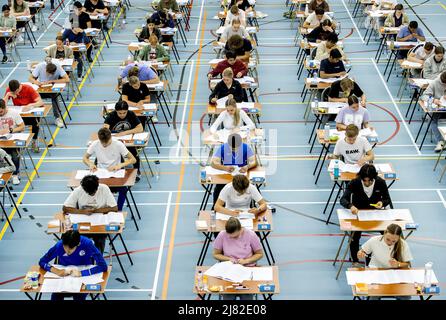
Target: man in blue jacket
point(73, 250)
point(77, 36)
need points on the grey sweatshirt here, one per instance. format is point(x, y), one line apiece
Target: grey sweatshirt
point(6, 164)
point(436, 89)
point(433, 68)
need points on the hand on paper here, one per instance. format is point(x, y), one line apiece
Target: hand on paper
point(354, 210)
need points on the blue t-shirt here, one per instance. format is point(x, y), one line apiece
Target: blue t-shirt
point(84, 254)
point(145, 72)
point(404, 32)
point(329, 67)
point(40, 73)
point(238, 157)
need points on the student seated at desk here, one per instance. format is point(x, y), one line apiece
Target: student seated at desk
point(315, 18)
point(6, 163)
point(49, 73)
point(94, 8)
point(237, 196)
point(20, 8)
point(241, 4)
point(237, 66)
point(232, 118)
point(109, 154)
point(79, 18)
point(73, 250)
point(437, 90)
point(234, 153)
point(421, 53)
point(227, 86)
point(367, 189)
point(163, 20)
point(239, 245)
point(341, 90)
point(135, 93)
point(11, 122)
point(166, 5)
point(123, 122)
point(7, 21)
point(234, 28)
point(91, 197)
point(332, 67)
point(353, 148)
point(410, 33)
point(154, 51)
point(144, 73)
point(323, 49)
point(389, 251)
point(61, 51)
point(354, 113)
point(235, 13)
point(315, 4)
point(27, 98)
point(435, 64)
point(241, 47)
point(148, 30)
point(77, 36)
point(398, 18)
point(322, 32)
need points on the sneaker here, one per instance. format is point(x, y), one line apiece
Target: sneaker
point(5, 59)
point(35, 146)
point(34, 28)
point(440, 146)
point(90, 59)
point(123, 21)
point(15, 180)
point(59, 122)
point(155, 119)
point(79, 79)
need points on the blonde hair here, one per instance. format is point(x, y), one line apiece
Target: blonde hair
point(351, 131)
point(133, 80)
point(347, 86)
point(153, 38)
point(234, 9)
point(232, 103)
point(228, 73)
point(134, 71)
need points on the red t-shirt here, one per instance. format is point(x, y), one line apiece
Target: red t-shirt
point(26, 96)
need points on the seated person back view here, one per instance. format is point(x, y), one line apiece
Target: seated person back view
point(239, 245)
point(227, 86)
point(366, 191)
point(109, 155)
point(73, 250)
point(234, 153)
point(353, 148)
point(91, 197)
point(238, 195)
point(122, 122)
point(238, 67)
point(50, 73)
point(354, 113)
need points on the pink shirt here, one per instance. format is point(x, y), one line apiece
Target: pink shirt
point(238, 248)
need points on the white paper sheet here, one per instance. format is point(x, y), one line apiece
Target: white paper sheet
point(257, 174)
point(124, 137)
point(221, 102)
point(149, 106)
point(141, 136)
point(383, 167)
point(100, 173)
point(212, 171)
point(215, 61)
point(245, 105)
point(98, 219)
point(230, 272)
point(344, 167)
point(262, 274)
point(68, 284)
point(385, 215)
point(411, 64)
point(345, 214)
point(19, 136)
point(38, 109)
point(64, 62)
point(59, 85)
point(247, 223)
point(387, 276)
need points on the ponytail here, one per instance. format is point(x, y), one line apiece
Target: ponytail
point(231, 102)
point(397, 252)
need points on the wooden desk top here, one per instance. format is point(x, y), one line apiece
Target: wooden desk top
point(252, 285)
point(348, 176)
point(127, 143)
point(138, 112)
point(105, 277)
point(49, 90)
point(47, 109)
point(434, 110)
point(128, 180)
point(225, 178)
point(212, 108)
point(388, 290)
point(220, 224)
point(208, 139)
point(5, 144)
point(321, 138)
point(93, 229)
point(319, 86)
point(356, 225)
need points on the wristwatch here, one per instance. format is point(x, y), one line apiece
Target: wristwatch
point(10, 130)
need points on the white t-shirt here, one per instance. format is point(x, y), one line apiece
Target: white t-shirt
point(233, 200)
point(368, 190)
point(241, 16)
point(352, 152)
point(11, 119)
point(228, 121)
point(421, 54)
point(381, 252)
point(109, 156)
point(314, 21)
point(81, 200)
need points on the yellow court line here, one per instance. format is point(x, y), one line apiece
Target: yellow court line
point(33, 174)
point(180, 182)
point(442, 5)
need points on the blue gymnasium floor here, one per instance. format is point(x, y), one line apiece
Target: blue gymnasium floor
point(303, 244)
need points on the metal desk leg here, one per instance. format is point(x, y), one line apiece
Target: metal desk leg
point(339, 249)
point(134, 202)
point(264, 249)
point(329, 197)
point(6, 215)
point(335, 200)
point(322, 164)
point(117, 257)
point(350, 236)
point(131, 212)
point(204, 248)
point(427, 130)
point(125, 248)
point(13, 201)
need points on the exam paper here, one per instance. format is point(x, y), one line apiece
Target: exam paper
point(245, 105)
point(346, 214)
point(262, 274)
point(100, 173)
point(229, 271)
point(216, 61)
point(385, 215)
point(64, 62)
point(212, 171)
point(98, 219)
point(19, 136)
point(221, 103)
point(387, 276)
point(68, 284)
point(141, 136)
point(257, 174)
point(344, 167)
point(383, 167)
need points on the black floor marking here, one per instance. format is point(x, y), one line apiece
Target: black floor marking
point(31, 217)
point(24, 209)
point(39, 225)
point(120, 280)
point(135, 287)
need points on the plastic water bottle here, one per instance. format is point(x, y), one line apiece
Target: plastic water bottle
point(200, 280)
point(157, 170)
point(314, 80)
point(428, 274)
point(203, 174)
point(28, 65)
point(336, 169)
point(67, 225)
point(213, 221)
point(392, 44)
point(430, 102)
point(316, 103)
point(327, 132)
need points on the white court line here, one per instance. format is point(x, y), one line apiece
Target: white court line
point(9, 74)
point(186, 103)
point(441, 197)
point(354, 23)
point(199, 22)
point(395, 105)
point(52, 22)
point(161, 249)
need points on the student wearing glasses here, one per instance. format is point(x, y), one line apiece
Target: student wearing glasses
point(367, 191)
